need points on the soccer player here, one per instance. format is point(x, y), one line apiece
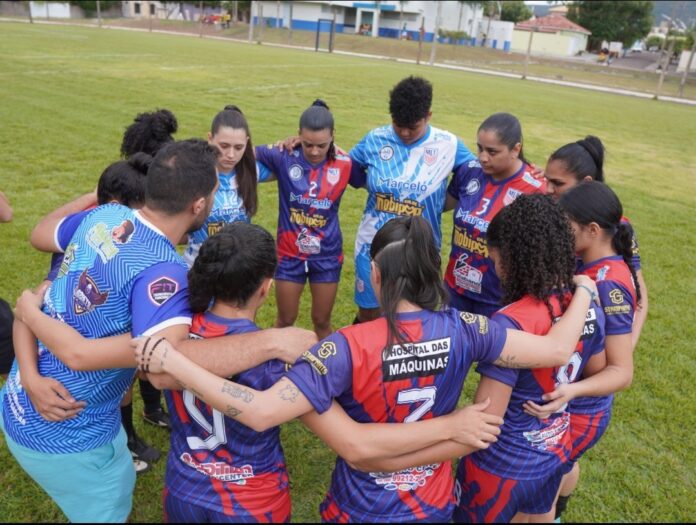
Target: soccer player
point(531, 245)
point(6, 317)
point(418, 374)
point(603, 242)
point(477, 192)
point(583, 160)
point(103, 289)
point(148, 133)
point(404, 168)
point(311, 182)
point(236, 198)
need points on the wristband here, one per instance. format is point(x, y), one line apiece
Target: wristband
point(593, 295)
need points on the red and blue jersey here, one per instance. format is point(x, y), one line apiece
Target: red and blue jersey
point(376, 382)
point(216, 462)
point(308, 199)
point(617, 295)
point(529, 448)
point(470, 271)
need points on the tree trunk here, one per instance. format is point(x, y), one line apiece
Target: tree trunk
point(99, 23)
point(438, 21)
point(200, 19)
point(686, 71)
point(290, 24)
point(461, 14)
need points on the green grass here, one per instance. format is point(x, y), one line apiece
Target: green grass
point(67, 93)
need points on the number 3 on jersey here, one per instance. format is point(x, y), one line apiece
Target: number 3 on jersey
point(217, 433)
point(417, 395)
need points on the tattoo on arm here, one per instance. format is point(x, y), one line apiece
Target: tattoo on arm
point(232, 412)
point(511, 362)
point(164, 356)
point(289, 393)
point(237, 392)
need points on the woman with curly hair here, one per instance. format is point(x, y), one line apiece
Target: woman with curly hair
point(148, 133)
point(477, 192)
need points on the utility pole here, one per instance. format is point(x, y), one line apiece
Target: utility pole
point(688, 68)
point(200, 18)
point(259, 11)
point(665, 65)
point(149, 20)
point(278, 14)
point(529, 52)
point(251, 21)
point(235, 12)
point(98, 13)
point(290, 24)
point(438, 21)
point(421, 36)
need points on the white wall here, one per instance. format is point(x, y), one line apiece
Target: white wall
point(684, 59)
point(55, 9)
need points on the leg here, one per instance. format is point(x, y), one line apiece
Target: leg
point(323, 298)
point(288, 300)
point(368, 305)
point(153, 412)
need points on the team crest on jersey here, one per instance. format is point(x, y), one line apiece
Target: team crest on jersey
point(602, 273)
point(466, 276)
point(386, 153)
point(160, 290)
point(87, 296)
point(295, 172)
point(308, 244)
point(333, 175)
point(473, 187)
point(430, 156)
point(405, 480)
point(510, 196)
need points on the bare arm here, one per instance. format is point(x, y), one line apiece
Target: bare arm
point(5, 208)
point(43, 234)
point(450, 202)
point(641, 310)
point(524, 350)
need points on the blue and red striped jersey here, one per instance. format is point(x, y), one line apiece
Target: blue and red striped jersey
point(308, 200)
point(218, 463)
point(617, 295)
point(470, 271)
point(393, 383)
point(529, 448)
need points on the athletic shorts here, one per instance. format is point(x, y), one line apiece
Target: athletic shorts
point(585, 431)
point(95, 486)
point(364, 294)
point(484, 497)
point(465, 304)
point(325, 270)
point(6, 347)
point(177, 510)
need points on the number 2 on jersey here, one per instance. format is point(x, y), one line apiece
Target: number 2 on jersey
point(417, 395)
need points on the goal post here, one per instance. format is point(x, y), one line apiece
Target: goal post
point(325, 25)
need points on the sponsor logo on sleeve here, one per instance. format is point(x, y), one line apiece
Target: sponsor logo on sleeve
point(87, 295)
point(415, 359)
point(616, 296)
point(386, 153)
point(618, 299)
point(316, 363)
point(162, 289)
point(529, 179)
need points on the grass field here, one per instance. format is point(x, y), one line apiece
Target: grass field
point(67, 93)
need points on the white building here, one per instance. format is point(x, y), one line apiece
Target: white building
point(385, 19)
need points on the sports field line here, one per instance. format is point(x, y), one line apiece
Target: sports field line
point(604, 89)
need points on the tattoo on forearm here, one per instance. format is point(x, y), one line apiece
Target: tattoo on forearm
point(237, 392)
point(164, 356)
point(232, 412)
point(289, 393)
point(511, 362)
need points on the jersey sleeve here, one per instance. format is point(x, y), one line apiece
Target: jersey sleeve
point(324, 372)
point(456, 181)
point(56, 261)
point(507, 376)
point(270, 158)
point(358, 168)
point(263, 174)
point(159, 299)
point(66, 229)
point(618, 307)
point(484, 338)
point(463, 155)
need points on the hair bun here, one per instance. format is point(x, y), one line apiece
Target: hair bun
point(140, 162)
point(232, 107)
point(167, 119)
point(319, 102)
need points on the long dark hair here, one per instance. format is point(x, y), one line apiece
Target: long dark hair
point(232, 117)
point(508, 129)
point(593, 201)
point(583, 158)
point(317, 117)
point(148, 133)
point(404, 250)
point(231, 265)
point(537, 250)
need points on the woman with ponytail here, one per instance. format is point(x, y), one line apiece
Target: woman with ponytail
point(238, 173)
point(580, 161)
point(603, 242)
point(477, 192)
point(408, 365)
point(311, 181)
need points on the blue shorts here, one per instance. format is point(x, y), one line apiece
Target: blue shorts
point(324, 270)
point(484, 497)
point(364, 294)
point(465, 304)
point(92, 486)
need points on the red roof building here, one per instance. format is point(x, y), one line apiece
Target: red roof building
point(552, 24)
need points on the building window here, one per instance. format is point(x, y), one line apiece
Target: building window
point(152, 9)
point(136, 8)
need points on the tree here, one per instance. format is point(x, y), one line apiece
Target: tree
point(625, 21)
point(515, 11)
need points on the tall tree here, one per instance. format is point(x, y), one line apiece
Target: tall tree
point(625, 21)
point(515, 11)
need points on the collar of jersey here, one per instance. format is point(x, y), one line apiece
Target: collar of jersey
point(507, 179)
point(410, 315)
point(420, 141)
point(230, 173)
point(600, 260)
point(237, 322)
point(150, 225)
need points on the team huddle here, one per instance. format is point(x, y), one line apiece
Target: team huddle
point(542, 290)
